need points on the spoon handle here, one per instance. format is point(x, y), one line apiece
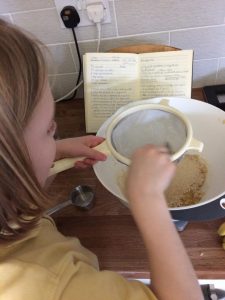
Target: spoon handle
point(58, 207)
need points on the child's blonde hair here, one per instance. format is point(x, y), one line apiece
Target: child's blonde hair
point(23, 75)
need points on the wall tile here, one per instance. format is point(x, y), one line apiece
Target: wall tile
point(204, 72)
point(7, 6)
point(44, 25)
point(221, 72)
point(6, 18)
point(144, 16)
point(207, 42)
point(62, 84)
point(60, 59)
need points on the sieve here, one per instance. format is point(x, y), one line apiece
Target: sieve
point(140, 123)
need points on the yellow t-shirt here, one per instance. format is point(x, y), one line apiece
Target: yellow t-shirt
point(48, 266)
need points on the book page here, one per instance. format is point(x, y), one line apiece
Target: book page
point(110, 81)
point(166, 74)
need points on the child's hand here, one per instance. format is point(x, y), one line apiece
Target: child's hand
point(80, 146)
point(150, 173)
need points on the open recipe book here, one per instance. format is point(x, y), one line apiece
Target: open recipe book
point(112, 80)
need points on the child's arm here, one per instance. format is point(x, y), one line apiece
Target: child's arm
point(172, 275)
point(80, 146)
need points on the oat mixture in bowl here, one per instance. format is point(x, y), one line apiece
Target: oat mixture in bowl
point(187, 185)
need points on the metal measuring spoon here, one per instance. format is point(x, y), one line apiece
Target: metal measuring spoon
point(82, 196)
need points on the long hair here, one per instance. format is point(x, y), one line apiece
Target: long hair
point(23, 74)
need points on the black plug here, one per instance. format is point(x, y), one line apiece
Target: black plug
point(70, 16)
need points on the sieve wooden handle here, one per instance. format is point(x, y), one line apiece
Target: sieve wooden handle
point(68, 163)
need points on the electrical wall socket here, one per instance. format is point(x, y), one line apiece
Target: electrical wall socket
point(80, 6)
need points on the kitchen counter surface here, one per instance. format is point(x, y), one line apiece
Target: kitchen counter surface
point(109, 230)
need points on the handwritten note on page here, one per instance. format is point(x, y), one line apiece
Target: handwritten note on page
point(166, 74)
point(110, 82)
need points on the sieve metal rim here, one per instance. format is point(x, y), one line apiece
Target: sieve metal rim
point(163, 107)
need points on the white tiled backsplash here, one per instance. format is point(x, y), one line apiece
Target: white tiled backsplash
point(192, 24)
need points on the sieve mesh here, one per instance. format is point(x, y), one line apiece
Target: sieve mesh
point(148, 126)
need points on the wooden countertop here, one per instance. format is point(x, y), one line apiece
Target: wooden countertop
point(109, 230)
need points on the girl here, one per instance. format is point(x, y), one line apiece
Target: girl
point(36, 261)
